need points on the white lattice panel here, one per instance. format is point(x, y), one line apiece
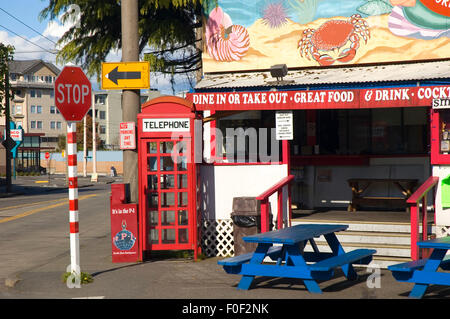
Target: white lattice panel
point(217, 237)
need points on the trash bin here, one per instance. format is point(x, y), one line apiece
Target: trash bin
point(246, 217)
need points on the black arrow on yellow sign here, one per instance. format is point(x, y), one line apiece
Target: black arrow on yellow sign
point(115, 75)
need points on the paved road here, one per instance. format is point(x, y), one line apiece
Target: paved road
point(35, 228)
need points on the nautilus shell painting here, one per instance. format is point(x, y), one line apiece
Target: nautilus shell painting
point(256, 34)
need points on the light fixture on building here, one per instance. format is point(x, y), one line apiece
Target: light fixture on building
point(278, 71)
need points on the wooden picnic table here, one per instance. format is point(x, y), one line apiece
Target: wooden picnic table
point(424, 272)
point(285, 248)
point(360, 185)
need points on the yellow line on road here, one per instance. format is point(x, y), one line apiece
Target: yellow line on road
point(33, 211)
point(33, 204)
point(41, 182)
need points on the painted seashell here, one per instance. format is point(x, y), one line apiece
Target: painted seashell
point(229, 44)
point(225, 41)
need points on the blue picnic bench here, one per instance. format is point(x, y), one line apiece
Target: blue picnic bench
point(284, 247)
point(424, 272)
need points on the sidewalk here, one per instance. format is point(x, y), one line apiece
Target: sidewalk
point(45, 183)
point(177, 278)
point(168, 277)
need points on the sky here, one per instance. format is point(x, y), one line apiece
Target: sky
point(40, 43)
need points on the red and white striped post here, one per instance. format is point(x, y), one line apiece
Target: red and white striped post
point(73, 197)
point(73, 98)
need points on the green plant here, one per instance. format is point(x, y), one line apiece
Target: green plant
point(85, 278)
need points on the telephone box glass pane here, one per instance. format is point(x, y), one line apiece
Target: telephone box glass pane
point(153, 217)
point(167, 217)
point(182, 181)
point(168, 236)
point(153, 237)
point(167, 163)
point(183, 199)
point(153, 199)
point(167, 199)
point(182, 217)
point(152, 164)
point(152, 147)
point(167, 181)
point(182, 163)
point(166, 147)
point(182, 147)
point(183, 236)
point(152, 182)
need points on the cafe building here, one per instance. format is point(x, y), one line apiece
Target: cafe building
point(344, 118)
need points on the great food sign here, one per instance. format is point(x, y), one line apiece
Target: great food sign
point(320, 99)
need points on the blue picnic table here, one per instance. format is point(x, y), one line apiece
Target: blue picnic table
point(285, 248)
point(424, 272)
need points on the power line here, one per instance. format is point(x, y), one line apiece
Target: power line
point(27, 26)
point(26, 39)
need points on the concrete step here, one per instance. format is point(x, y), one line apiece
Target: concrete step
point(367, 226)
point(385, 250)
point(374, 237)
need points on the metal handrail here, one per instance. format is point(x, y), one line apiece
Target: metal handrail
point(264, 199)
point(420, 195)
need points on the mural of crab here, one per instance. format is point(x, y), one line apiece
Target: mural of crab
point(334, 34)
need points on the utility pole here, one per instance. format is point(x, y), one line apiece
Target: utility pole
point(84, 147)
point(130, 98)
point(94, 145)
point(7, 131)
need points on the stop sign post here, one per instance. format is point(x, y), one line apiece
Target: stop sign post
point(73, 98)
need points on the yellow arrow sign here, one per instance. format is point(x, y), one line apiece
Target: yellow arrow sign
point(125, 75)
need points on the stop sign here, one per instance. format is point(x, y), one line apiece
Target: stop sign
point(73, 93)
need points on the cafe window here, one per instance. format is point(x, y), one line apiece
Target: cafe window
point(380, 131)
point(247, 137)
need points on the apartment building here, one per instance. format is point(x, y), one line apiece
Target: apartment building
point(108, 113)
point(32, 105)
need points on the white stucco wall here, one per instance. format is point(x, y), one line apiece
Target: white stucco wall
point(219, 184)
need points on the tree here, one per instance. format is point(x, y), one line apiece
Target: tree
point(168, 27)
point(6, 55)
point(80, 134)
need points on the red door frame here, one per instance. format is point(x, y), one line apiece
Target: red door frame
point(169, 107)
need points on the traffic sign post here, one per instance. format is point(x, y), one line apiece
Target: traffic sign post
point(73, 98)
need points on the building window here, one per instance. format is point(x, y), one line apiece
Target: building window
point(52, 125)
point(100, 99)
point(102, 129)
point(33, 124)
point(33, 93)
point(39, 109)
point(39, 124)
point(52, 94)
point(58, 125)
point(38, 93)
point(52, 109)
point(33, 109)
point(102, 115)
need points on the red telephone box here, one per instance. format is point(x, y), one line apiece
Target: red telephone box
point(167, 175)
